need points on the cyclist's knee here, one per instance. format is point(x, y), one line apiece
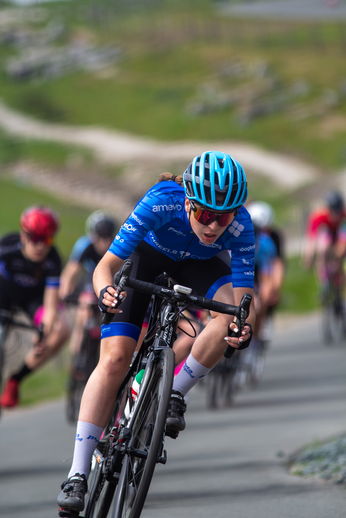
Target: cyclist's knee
point(116, 354)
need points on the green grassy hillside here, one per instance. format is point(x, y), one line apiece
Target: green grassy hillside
point(186, 72)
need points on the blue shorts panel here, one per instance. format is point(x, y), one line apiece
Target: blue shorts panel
point(220, 282)
point(120, 329)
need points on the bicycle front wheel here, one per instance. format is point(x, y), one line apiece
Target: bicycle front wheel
point(146, 444)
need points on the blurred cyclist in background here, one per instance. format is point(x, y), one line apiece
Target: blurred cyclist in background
point(77, 275)
point(326, 235)
point(30, 268)
point(269, 263)
point(69, 281)
point(263, 217)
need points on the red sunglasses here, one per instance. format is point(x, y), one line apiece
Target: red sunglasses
point(206, 217)
point(34, 238)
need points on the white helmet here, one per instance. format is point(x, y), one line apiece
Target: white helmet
point(261, 213)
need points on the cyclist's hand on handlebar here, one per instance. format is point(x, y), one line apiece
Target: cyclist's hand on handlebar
point(39, 343)
point(239, 342)
point(109, 299)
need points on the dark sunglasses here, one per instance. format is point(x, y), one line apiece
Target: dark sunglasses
point(48, 240)
point(206, 217)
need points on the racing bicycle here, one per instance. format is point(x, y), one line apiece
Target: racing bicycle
point(133, 440)
point(84, 361)
point(8, 322)
point(333, 301)
point(221, 382)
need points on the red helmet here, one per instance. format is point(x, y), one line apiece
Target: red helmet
point(39, 220)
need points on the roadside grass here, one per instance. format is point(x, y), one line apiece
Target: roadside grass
point(300, 292)
point(46, 384)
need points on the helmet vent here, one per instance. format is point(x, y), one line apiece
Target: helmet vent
point(198, 180)
point(217, 181)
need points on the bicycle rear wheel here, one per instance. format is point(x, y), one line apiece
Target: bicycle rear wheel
point(333, 316)
point(4, 330)
point(83, 365)
point(146, 444)
point(220, 385)
point(73, 399)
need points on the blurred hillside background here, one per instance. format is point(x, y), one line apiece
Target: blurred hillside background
point(97, 97)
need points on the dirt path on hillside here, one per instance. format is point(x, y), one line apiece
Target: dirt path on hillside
point(113, 147)
point(143, 158)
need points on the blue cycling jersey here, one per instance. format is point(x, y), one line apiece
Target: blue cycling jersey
point(265, 252)
point(161, 220)
point(78, 248)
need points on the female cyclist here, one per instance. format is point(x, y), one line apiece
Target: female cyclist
point(183, 225)
point(30, 268)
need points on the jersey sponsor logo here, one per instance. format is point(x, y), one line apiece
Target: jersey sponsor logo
point(118, 238)
point(25, 280)
point(179, 232)
point(188, 370)
point(244, 261)
point(252, 273)
point(168, 250)
point(213, 245)
point(163, 208)
point(247, 248)
point(236, 228)
point(78, 437)
point(136, 218)
point(129, 227)
point(182, 253)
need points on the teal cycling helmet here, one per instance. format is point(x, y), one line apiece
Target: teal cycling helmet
point(216, 181)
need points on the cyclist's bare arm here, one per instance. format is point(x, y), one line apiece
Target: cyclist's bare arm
point(238, 293)
point(68, 278)
point(103, 276)
point(234, 341)
point(50, 305)
point(309, 252)
point(278, 275)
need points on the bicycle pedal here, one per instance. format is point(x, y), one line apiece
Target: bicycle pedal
point(163, 458)
point(67, 513)
point(171, 434)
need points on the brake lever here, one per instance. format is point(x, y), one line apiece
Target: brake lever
point(119, 282)
point(240, 323)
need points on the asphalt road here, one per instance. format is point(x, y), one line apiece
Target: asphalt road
point(226, 463)
point(296, 10)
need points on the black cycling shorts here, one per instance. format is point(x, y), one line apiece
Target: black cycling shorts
point(13, 296)
point(205, 277)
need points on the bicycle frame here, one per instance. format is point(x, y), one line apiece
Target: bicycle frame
point(7, 321)
point(133, 442)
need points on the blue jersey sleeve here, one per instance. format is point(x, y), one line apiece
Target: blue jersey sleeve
point(265, 252)
point(78, 248)
point(160, 205)
point(239, 238)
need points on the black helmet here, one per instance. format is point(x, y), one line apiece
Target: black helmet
point(101, 224)
point(335, 201)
